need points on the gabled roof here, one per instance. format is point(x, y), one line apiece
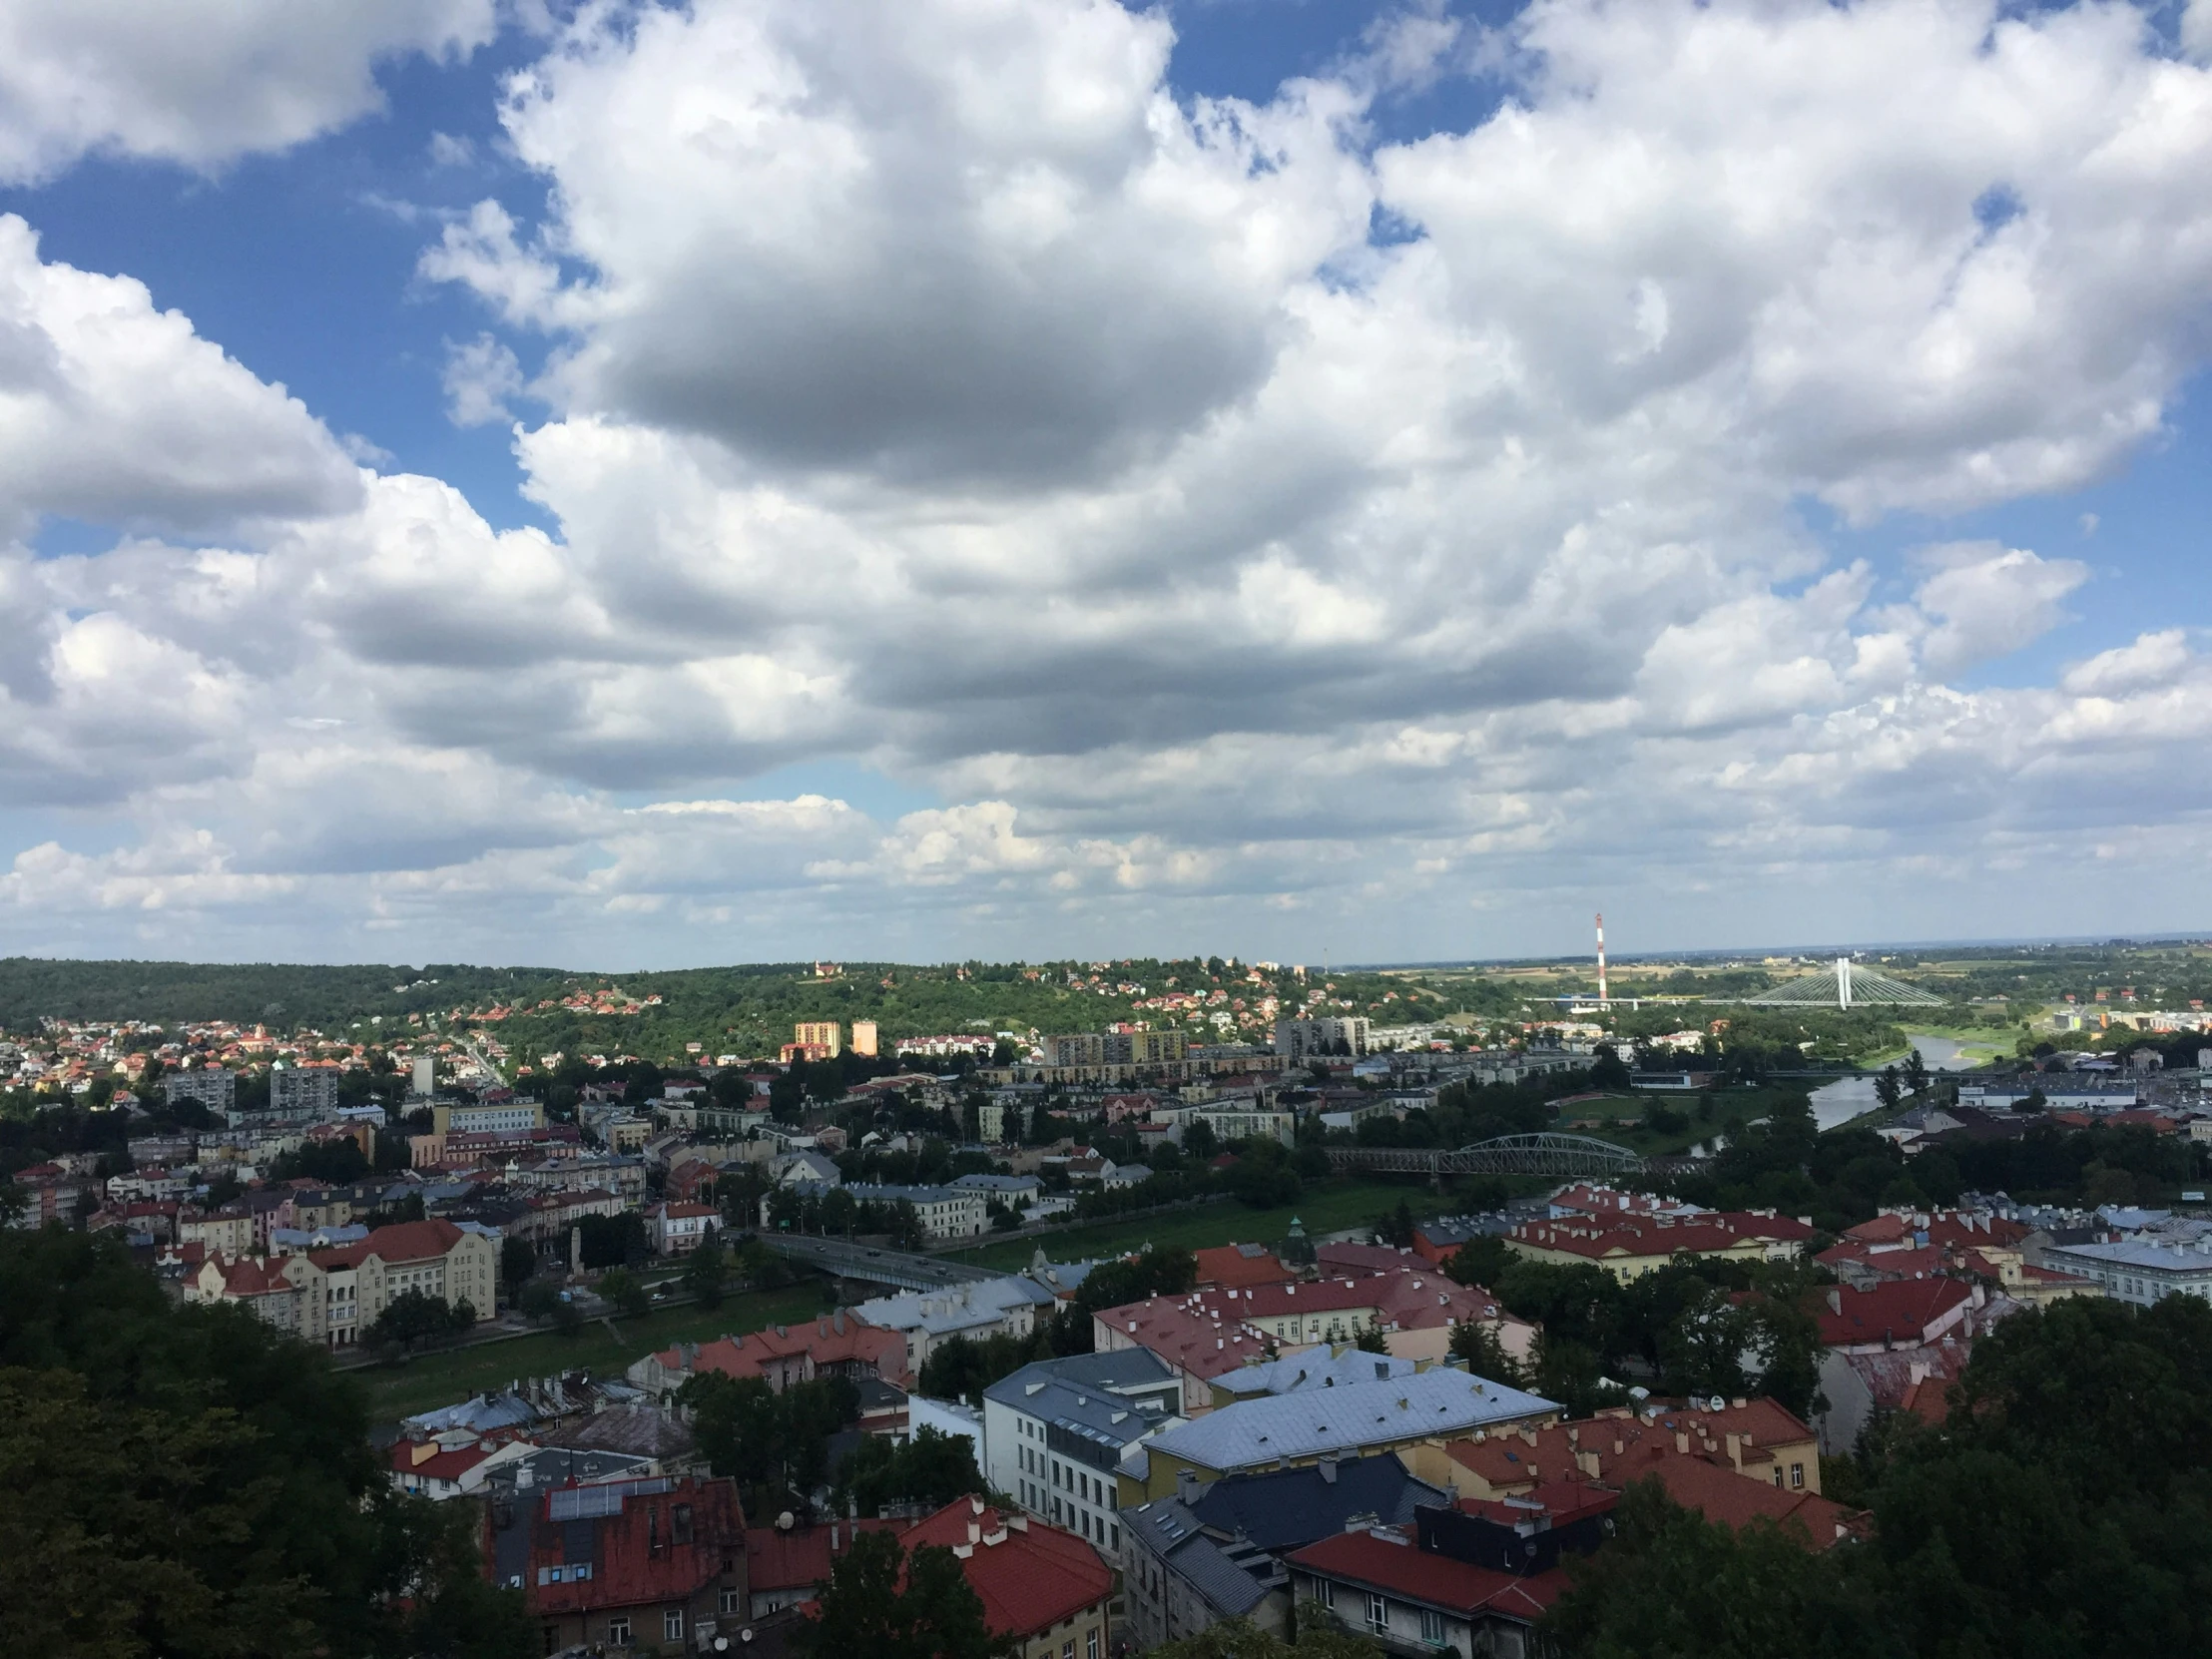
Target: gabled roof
point(801, 1557)
point(1730, 1499)
point(1387, 1560)
point(1029, 1576)
point(1899, 1310)
point(1287, 1508)
point(1234, 1580)
point(1237, 1265)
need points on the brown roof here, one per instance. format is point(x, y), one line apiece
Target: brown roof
point(1729, 1500)
point(1029, 1576)
point(1615, 1448)
point(1237, 1266)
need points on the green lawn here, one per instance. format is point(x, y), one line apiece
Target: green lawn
point(1325, 1207)
point(435, 1380)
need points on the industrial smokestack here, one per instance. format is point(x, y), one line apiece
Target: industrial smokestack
point(1602, 994)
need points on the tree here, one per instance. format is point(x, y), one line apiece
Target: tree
point(157, 1459)
point(2058, 1510)
point(931, 1468)
point(1478, 1343)
point(881, 1603)
point(1481, 1262)
point(518, 1260)
point(1319, 1637)
point(537, 1299)
point(625, 1291)
point(757, 1435)
point(1915, 1072)
point(409, 1317)
point(905, 1230)
point(1672, 1583)
point(1888, 1091)
point(1370, 1339)
point(707, 1274)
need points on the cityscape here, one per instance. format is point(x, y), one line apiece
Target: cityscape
point(1105, 829)
point(1245, 1307)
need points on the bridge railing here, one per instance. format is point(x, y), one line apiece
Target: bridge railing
point(1567, 1156)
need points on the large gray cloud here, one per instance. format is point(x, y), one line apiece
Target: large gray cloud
point(1221, 576)
point(201, 84)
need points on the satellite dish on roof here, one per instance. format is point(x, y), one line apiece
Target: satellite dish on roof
point(786, 1521)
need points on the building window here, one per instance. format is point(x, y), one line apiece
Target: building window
point(1379, 1613)
point(1431, 1627)
point(618, 1630)
point(1326, 1592)
point(730, 1600)
point(1796, 1475)
point(1090, 1644)
point(672, 1626)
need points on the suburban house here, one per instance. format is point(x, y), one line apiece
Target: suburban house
point(678, 1229)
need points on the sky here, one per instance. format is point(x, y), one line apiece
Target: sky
point(618, 484)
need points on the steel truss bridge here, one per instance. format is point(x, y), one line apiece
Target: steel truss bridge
point(1567, 1156)
point(895, 1268)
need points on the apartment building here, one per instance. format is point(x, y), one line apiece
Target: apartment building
point(1300, 1040)
point(212, 1086)
point(305, 1092)
point(1054, 1431)
point(332, 1296)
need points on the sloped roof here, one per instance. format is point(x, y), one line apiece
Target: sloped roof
point(1178, 1537)
point(1286, 1508)
point(1028, 1575)
point(1237, 1265)
point(1730, 1499)
point(1317, 1421)
point(1389, 1561)
point(1897, 1309)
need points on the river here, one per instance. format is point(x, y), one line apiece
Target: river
point(1840, 1102)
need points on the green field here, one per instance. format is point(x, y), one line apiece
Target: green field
point(434, 1380)
point(1325, 1207)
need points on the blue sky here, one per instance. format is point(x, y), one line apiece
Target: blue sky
point(1339, 586)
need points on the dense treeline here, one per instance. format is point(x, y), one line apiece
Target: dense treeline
point(2059, 1513)
point(278, 995)
point(186, 1482)
point(1688, 1329)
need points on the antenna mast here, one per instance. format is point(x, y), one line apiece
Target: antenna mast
point(1601, 997)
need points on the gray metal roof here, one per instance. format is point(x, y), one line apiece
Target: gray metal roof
point(1290, 1508)
point(2137, 1252)
point(1174, 1534)
point(1087, 1395)
point(1314, 1423)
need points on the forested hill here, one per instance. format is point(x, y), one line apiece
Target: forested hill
point(750, 1007)
point(272, 993)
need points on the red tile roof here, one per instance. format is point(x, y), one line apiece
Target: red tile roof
point(820, 1341)
point(802, 1558)
point(1228, 1267)
point(1595, 1240)
point(1029, 1575)
point(1616, 1448)
point(634, 1555)
point(1729, 1500)
point(1387, 1560)
point(1901, 1311)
